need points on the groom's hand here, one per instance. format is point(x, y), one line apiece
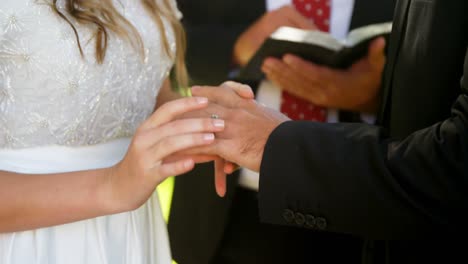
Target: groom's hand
point(222, 167)
point(247, 125)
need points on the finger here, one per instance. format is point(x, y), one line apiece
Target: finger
point(298, 20)
point(224, 148)
point(376, 54)
point(220, 148)
point(176, 168)
point(312, 71)
point(209, 150)
point(241, 89)
point(172, 109)
point(213, 108)
point(279, 73)
point(183, 126)
point(282, 20)
point(230, 167)
point(316, 78)
point(171, 145)
point(220, 95)
point(220, 177)
point(272, 66)
point(196, 158)
point(203, 158)
point(296, 82)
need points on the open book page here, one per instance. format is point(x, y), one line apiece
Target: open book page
point(367, 32)
point(315, 46)
point(326, 40)
point(307, 36)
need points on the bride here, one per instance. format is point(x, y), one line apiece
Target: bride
point(81, 150)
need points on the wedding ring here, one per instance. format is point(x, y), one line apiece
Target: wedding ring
point(214, 116)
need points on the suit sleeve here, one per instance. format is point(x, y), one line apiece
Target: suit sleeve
point(352, 178)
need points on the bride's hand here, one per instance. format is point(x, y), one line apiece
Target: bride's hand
point(131, 182)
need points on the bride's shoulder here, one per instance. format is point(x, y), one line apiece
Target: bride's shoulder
point(21, 16)
point(24, 5)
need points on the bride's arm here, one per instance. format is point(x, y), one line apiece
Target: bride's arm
point(34, 201)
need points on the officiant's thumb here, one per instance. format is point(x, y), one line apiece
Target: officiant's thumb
point(377, 53)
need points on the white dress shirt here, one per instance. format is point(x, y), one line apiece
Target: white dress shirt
point(270, 95)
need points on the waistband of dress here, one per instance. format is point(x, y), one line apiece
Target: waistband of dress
point(55, 159)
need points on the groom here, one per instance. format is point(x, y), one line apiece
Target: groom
point(204, 228)
point(406, 178)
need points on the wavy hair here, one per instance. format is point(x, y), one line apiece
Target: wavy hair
point(105, 17)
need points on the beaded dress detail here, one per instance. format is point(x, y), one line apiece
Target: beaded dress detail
point(49, 94)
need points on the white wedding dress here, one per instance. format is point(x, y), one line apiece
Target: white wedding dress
point(62, 112)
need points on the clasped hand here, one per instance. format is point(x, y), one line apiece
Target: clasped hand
point(183, 132)
point(247, 128)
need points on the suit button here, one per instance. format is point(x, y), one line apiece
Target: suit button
point(300, 219)
point(288, 216)
point(310, 221)
point(321, 223)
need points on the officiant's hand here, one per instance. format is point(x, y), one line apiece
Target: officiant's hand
point(251, 40)
point(354, 89)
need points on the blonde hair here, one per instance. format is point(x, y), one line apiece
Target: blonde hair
point(105, 16)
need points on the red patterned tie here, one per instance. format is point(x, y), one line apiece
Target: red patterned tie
point(297, 109)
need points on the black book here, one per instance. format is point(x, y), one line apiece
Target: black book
point(315, 46)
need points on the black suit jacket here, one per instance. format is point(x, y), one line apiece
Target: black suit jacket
point(405, 179)
point(198, 216)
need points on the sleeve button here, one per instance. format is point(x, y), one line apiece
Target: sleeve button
point(310, 221)
point(300, 219)
point(288, 216)
point(321, 223)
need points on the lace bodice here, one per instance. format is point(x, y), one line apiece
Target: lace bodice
point(49, 94)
